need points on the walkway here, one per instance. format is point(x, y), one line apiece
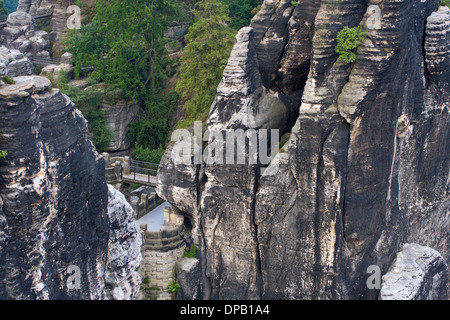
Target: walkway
point(45, 15)
point(140, 172)
point(155, 218)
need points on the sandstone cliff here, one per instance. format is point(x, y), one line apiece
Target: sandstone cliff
point(366, 167)
point(58, 220)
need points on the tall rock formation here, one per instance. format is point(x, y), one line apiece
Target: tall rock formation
point(366, 167)
point(63, 235)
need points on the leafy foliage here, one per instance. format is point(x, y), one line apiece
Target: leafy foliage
point(174, 286)
point(10, 5)
point(241, 11)
point(3, 153)
point(89, 101)
point(445, 3)
point(209, 42)
point(148, 155)
point(124, 45)
point(348, 39)
point(3, 10)
point(9, 80)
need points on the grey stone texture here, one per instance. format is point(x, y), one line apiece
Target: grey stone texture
point(417, 273)
point(355, 180)
point(56, 212)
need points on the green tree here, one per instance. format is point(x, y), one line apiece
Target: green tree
point(11, 5)
point(209, 42)
point(133, 30)
point(3, 10)
point(87, 47)
point(89, 102)
point(241, 12)
point(148, 155)
point(125, 45)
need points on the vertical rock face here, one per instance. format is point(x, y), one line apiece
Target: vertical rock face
point(122, 280)
point(57, 222)
point(366, 166)
point(119, 117)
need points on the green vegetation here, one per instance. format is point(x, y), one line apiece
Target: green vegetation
point(174, 286)
point(3, 10)
point(209, 42)
point(89, 101)
point(9, 80)
point(146, 280)
point(3, 153)
point(294, 3)
point(10, 5)
point(241, 11)
point(192, 253)
point(148, 155)
point(123, 46)
point(445, 3)
point(348, 39)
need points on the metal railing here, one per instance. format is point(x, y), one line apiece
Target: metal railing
point(45, 15)
point(45, 61)
point(141, 171)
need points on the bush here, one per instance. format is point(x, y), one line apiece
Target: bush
point(148, 155)
point(174, 286)
point(348, 39)
point(9, 80)
point(445, 3)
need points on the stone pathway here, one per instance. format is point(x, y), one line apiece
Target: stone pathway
point(155, 218)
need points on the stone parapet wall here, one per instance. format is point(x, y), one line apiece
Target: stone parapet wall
point(164, 240)
point(144, 200)
point(161, 250)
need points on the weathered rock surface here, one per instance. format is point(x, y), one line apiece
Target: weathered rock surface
point(124, 252)
point(119, 116)
point(417, 273)
point(16, 62)
point(20, 34)
point(54, 70)
point(366, 166)
point(56, 214)
point(189, 275)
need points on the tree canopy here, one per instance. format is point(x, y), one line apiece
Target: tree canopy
point(3, 10)
point(209, 42)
